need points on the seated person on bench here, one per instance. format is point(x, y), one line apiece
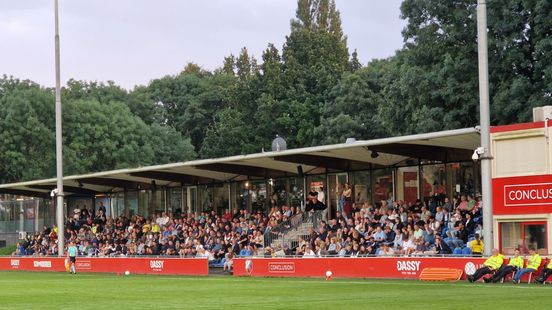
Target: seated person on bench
point(514, 264)
point(533, 263)
point(545, 273)
point(489, 266)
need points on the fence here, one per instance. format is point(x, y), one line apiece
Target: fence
point(287, 233)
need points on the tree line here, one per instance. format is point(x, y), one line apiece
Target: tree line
point(311, 91)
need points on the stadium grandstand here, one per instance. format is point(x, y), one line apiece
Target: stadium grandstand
point(410, 195)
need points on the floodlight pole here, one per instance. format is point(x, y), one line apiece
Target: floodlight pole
point(484, 119)
point(59, 145)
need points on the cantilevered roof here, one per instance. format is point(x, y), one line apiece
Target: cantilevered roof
point(442, 146)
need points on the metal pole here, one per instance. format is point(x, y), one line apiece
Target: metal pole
point(484, 119)
point(59, 145)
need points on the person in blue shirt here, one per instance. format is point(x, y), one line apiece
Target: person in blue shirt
point(72, 253)
point(246, 251)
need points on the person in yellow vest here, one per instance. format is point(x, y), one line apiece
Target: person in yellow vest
point(514, 264)
point(533, 263)
point(545, 273)
point(492, 264)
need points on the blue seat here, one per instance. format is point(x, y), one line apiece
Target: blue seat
point(466, 251)
point(457, 251)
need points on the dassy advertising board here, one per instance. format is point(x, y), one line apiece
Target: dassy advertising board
point(369, 267)
point(175, 266)
point(522, 195)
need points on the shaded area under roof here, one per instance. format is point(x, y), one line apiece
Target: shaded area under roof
point(442, 146)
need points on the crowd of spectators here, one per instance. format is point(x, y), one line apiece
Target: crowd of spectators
point(385, 228)
point(395, 228)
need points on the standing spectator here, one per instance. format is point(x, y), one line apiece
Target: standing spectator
point(321, 195)
point(347, 197)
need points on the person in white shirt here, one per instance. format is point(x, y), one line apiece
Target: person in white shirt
point(321, 195)
point(309, 252)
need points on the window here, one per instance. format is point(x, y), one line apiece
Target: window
point(296, 192)
point(523, 236)
point(175, 199)
point(382, 185)
point(279, 192)
point(362, 188)
point(434, 182)
point(407, 184)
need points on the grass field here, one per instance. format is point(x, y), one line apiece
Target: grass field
point(32, 290)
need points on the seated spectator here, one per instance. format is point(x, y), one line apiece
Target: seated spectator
point(545, 273)
point(533, 263)
point(476, 245)
point(491, 265)
point(408, 246)
point(440, 247)
point(308, 251)
point(514, 264)
point(385, 250)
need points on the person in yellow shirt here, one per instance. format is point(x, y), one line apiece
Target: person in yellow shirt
point(477, 246)
point(545, 273)
point(492, 264)
point(514, 264)
point(533, 263)
point(155, 228)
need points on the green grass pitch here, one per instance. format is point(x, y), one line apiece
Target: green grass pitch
point(41, 290)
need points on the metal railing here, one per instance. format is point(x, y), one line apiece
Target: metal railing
point(288, 232)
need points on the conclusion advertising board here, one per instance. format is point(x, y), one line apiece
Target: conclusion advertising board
point(522, 195)
point(369, 267)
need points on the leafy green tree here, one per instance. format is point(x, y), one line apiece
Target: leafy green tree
point(315, 55)
point(26, 131)
point(169, 146)
point(230, 134)
point(100, 137)
point(353, 110)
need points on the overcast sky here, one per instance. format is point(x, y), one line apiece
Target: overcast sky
point(134, 41)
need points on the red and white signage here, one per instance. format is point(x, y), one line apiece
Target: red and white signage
point(281, 267)
point(522, 195)
point(528, 194)
point(369, 267)
point(176, 266)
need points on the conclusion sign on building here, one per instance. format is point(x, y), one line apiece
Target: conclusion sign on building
point(528, 194)
point(522, 195)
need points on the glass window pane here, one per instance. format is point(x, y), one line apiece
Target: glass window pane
point(382, 184)
point(296, 192)
point(132, 201)
point(434, 182)
point(279, 194)
point(258, 195)
point(535, 237)
point(221, 198)
point(362, 188)
point(175, 200)
point(510, 237)
point(143, 203)
point(407, 184)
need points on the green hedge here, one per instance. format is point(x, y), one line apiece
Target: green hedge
point(7, 250)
